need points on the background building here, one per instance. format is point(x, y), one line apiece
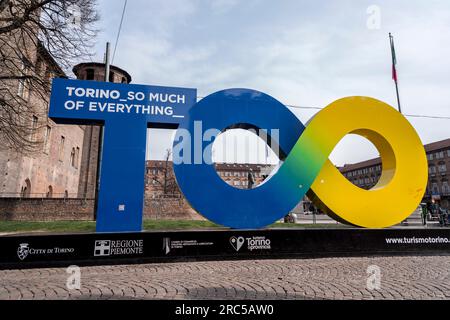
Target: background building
point(367, 173)
point(160, 179)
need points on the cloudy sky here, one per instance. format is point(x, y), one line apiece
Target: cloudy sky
point(304, 53)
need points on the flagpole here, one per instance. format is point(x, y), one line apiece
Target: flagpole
point(394, 70)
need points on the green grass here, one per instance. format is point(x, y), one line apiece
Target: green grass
point(89, 226)
point(47, 226)
point(178, 224)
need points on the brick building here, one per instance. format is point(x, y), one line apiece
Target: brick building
point(52, 170)
point(160, 180)
point(367, 173)
point(65, 162)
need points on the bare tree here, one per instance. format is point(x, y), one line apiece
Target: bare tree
point(62, 31)
point(166, 179)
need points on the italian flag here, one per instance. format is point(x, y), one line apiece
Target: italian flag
point(394, 59)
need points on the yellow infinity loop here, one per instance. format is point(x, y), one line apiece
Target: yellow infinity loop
point(404, 165)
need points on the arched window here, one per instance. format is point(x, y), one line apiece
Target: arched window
point(26, 189)
point(50, 192)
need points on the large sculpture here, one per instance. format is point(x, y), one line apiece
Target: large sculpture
point(306, 168)
point(127, 110)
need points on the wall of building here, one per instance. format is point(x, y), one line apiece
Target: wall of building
point(49, 167)
point(35, 209)
point(44, 209)
point(169, 209)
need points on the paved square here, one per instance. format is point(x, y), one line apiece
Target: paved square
point(409, 277)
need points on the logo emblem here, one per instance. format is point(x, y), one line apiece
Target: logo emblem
point(166, 245)
point(102, 248)
point(237, 242)
point(23, 250)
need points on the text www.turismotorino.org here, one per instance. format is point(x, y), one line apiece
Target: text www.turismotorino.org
point(417, 240)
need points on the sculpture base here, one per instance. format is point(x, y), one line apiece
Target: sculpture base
point(49, 250)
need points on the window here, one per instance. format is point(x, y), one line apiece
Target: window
point(111, 76)
point(22, 90)
point(72, 157)
point(439, 155)
point(434, 188)
point(445, 187)
point(432, 169)
point(77, 156)
point(34, 125)
point(90, 74)
point(124, 80)
point(47, 133)
point(430, 156)
point(50, 192)
point(61, 148)
point(442, 167)
point(26, 189)
point(448, 153)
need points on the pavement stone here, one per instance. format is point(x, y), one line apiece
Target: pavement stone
point(402, 277)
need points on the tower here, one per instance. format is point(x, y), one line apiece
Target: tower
point(92, 134)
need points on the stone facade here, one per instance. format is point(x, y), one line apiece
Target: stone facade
point(53, 168)
point(64, 164)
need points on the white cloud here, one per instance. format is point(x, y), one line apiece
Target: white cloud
point(300, 52)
